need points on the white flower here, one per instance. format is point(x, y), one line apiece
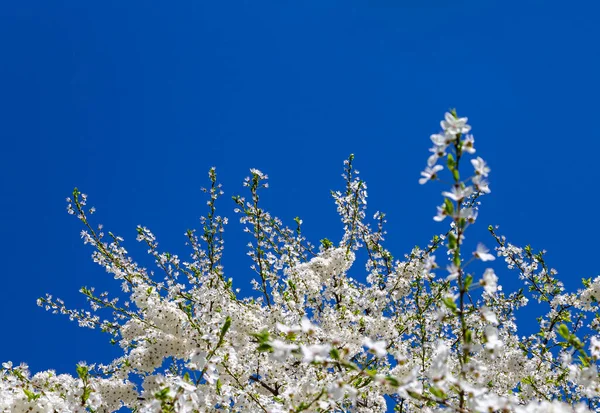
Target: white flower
point(438, 151)
point(493, 343)
point(566, 358)
point(469, 214)
point(455, 125)
point(480, 166)
point(439, 365)
point(307, 327)
point(432, 159)
point(336, 390)
point(483, 253)
point(184, 384)
point(595, 347)
point(224, 337)
point(458, 193)
point(429, 174)
point(489, 281)
point(315, 352)
point(453, 270)
point(198, 359)
point(287, 330)
point(491, 403)
point(441, 214)
point(281, 350)
point(211, 374)
point(481, 184)
point(488, 315)
point(440, 140)
point(553, 406)
point(468, 144)
point(379, 348)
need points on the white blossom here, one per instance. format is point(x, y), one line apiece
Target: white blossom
point(483, 253)
point(379, 348)
point(320, 333)
point(489, 281)
point(430, 174)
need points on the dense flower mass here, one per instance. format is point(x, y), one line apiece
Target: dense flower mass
point(433, 331)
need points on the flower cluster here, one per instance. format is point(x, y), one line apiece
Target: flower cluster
point(421, 333)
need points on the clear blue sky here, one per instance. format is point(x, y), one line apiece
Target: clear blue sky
point(134, 101)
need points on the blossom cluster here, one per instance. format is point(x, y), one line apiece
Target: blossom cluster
point(433, 331)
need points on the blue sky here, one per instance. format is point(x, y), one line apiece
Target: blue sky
point(133, 102)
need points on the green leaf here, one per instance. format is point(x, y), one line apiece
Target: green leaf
point(456, 260)
point(468, 282)
point(392, 381)
point(326, 243)
point(371, 372)
point(163, 394)
point(264, 347)
point(563, 331)
point(450, 304)
point(451, 241)
point(31, 396)
point(527, 380)
point(86, 394)
point(456, 175)
point(448, 206)
point(349, 366)
point(414, 394)
point(262, 337)
point(82, 372)
point(225, 327)
point(451, 163)
point(439, 393)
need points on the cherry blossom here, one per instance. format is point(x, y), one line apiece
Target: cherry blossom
point(337, 325)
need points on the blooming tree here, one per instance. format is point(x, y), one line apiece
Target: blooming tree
point(429, 332)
